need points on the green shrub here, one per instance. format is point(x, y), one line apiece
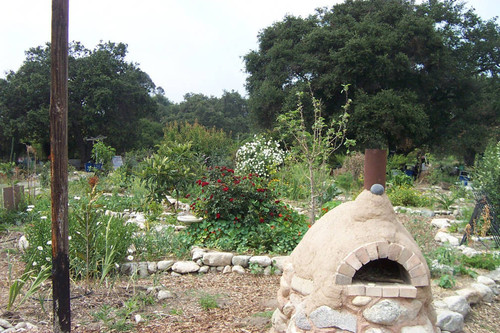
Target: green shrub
point(92, 235)
point(241, 213)
point(487, 261)
point(487, 175)
point(169, 170)
point(260, 156)
point(407, 196)
point(213, 146)
point(103, 155)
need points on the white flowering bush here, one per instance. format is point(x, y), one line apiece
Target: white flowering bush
point(260, 156)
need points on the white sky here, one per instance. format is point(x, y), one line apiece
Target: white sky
point(184, 45)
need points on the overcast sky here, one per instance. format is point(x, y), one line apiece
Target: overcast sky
point(184, 45)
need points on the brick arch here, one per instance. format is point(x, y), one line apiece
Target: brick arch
point(416, 269)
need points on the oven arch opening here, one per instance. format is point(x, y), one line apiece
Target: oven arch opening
point(382, 270)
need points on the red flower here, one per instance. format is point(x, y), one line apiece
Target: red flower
point(218, 215)
point(211, 196)
point(280, 215)
point(271, 213)
point(218, 180)
point(261, 220)
point(231, 199)
point(225, 189)
point(236, 182)
point(308, 225)
point(203, 184)
point(188, 195)
point(277, 202)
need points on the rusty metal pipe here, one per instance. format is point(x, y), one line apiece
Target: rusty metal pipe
point(375, 167)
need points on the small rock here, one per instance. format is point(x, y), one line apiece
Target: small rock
point(377, 189)
point(262, 261)
point(204, 269)
point(458, 304)
point(240, 261)
point(471, 295)
point(227, 269)
point(175, 274)
point(142, 269)
point(279, 321)
point(165, 265)
point(217, 258)
point(485, 280)
point(138, 318)
point(444, 237)
point(385, 312)
point(441, 223)
point(450, 321)
point(301, 321)
point(324, 317)
point(129, 268)
point(486, 293)
point(165, 294)
point(495, 275)
point(152, 267)
point(184, 267)
point(361, 300)
point(5, 324)
point(197, 253)
point(238, 269)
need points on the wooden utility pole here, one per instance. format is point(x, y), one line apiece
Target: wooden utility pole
point(59, 165)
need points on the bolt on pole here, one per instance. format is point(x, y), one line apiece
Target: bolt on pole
point(59, 166)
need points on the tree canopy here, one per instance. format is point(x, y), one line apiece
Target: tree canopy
point(107, 96)
point(417, 71)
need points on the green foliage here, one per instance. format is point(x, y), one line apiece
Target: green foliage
point(406, 196)
point(228, 113)
point(241, 213)
point(400, 179)
point(169, 170)
point(255, 268)
point(213, 146)
point(160, 243)
point(328, 206)
point(260, 156)
point(108, 96)
point(487, 174)
point(96, 242)
point(447, 281)
point(487, 261)
point(208, 302)
point(314, 143)
point(422, 72)
point(103, 154)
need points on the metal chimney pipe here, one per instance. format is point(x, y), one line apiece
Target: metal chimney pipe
point(375, 167)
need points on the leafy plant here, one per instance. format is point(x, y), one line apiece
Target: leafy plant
point(315, 144)
point(241, 213)
point(487, 174)
point(208, 302)
point(103, 154)
point(406, 196)
point(260, 156)
point(447, 281)
point(255, 268)
point(169, 170)
point(487, 261)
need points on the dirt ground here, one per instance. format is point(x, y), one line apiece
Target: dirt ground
point(244, 303)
